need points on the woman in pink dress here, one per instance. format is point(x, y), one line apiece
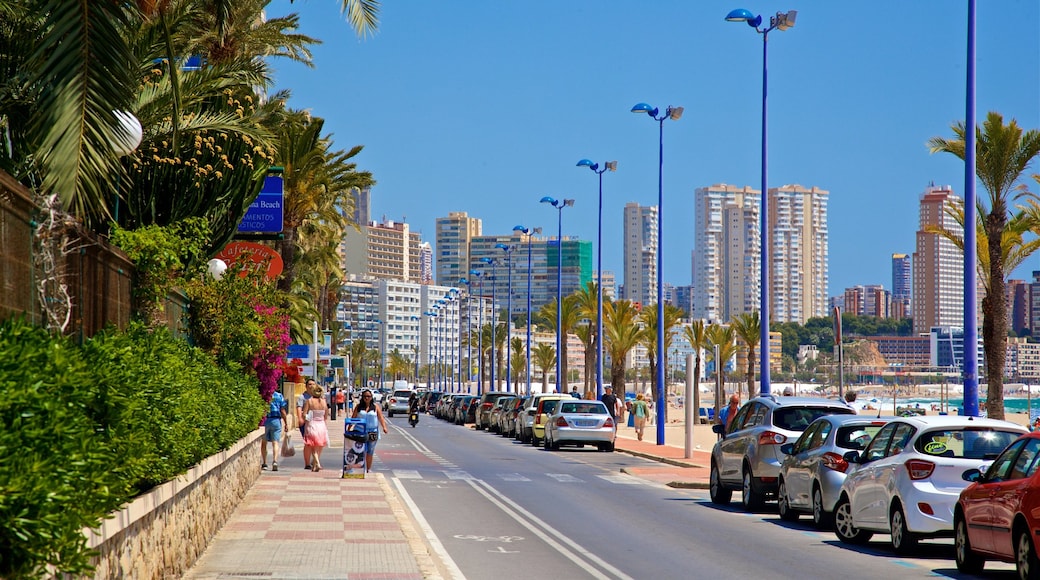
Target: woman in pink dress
point(316, 437)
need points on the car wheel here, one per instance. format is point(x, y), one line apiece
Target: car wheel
point(903, 540)
point(534, 441)
point(751, 499)
point(554, 445)
point(820, 517)
point(967, 561)
point(843, 527)
point(719, 495)
point(1026, 562)
point(609, 447)
point(783, 506)
point(545, 441)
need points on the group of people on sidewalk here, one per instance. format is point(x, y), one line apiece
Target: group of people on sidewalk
point(639, 408)
point(312, 412)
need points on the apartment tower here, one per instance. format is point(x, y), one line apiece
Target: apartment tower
point(640, 254)
point(938, 266)
point(453, 235)
point(727, 252)
point(799, 245)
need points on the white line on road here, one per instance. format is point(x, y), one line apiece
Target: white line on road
point(431, 537)
point(543, 530)
point(564, 478)
point(513, 477)
point(407, 474)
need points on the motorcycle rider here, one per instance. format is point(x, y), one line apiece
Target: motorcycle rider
point(413, 408)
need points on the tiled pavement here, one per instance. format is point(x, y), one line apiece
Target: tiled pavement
point(297, 524)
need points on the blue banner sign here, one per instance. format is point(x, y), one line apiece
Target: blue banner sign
point(300, 351)
point(265, 213)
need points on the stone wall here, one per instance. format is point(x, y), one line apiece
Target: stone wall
point(162, 533)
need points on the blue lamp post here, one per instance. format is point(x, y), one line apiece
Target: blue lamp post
point(451, 297)
point(971, 330)
point(673, 113)
point(782, 21)
point(611, 166)
point(382, 350)
point(529, 232)
point(430, 315)
point(494, 316)
point(479, 275)
point(469, 332)
point(508, 250)
point(559, 204)
point(418, 344)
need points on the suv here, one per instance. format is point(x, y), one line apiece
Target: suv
point(748, 457)
point(398, 402)
point(487, 401)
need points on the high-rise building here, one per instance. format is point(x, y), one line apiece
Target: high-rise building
point(684, 299)
point(387, 251)
point(872, 300)
point(362, 205)
point(799, 246)
point(640, 253)
point(609, 284)
point(453, 235)
point(727, 250)
point(425, 263)
point(901, 278)
point(1018, 306)
point(938, 281)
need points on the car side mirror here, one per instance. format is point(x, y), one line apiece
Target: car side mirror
point(720, 429)
point(972, 475)
point(852, 457)
point(787, 448)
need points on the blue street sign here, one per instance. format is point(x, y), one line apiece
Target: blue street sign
point(300, 351)
point(265, 213)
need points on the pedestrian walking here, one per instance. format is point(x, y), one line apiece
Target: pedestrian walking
point(300, 420)
point(316, 412)
point(727, 414)
point(274, 428)
point(368, 410)
point(640, 411)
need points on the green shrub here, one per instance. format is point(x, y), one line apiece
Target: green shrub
point(86, 428)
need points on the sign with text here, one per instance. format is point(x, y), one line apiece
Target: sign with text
point(254, 256)
point(265, 213)
point(300, 351)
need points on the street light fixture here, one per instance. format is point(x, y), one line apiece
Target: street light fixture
point(382, 350)
point(469, 332)
point(418, 344)
point(608, 166)
point(430, 316)
point(494, 315)
point(529, 232)
point(559, 204)
point(479, 275)
point(971, 323)
point(673, 113)
point(782, 21)
point(509, 311)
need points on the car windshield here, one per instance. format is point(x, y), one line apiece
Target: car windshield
point(794, 418)
point(584, 407)
point(856, 436)
point(549, 406)
point(965, 443)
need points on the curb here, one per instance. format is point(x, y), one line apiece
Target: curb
point(658, 458)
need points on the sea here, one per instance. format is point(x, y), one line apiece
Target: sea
point(1011, 404)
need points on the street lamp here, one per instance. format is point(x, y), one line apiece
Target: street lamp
point(529, 232)
point(782, 21)
point(382, 350)
point(418, 344)
point(971, 330)
point(469, 332)
point(608, 166)
point(559, 204)
point(509, 310)
point(430, 315)
point(451, 297)
point(479, 275)
point(494, 314)
point(673, 113)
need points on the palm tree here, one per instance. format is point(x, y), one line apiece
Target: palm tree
point(547, 321)
point(722, 337)
point(1003, 152)
point(358, 348)
point(586, 332)
point(518, 362)
point(544, 357)
point(747, 327)
point(621, 332)
point(648, 317)
point(398, 365)
point(697, 339)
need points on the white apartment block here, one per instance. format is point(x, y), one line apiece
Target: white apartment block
point(726, 252)
point(799, 246)
point(640, 253)
point(387, 251)
point(938, 291)
point(452, 240)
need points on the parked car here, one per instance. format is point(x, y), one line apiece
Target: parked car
point(546, 406)
point(814, 467)
point(513, 420)
point(578, 422)
point(748, 456)
point(398, 402)
point(487, 401)
point(467, 409)
point(443, 404)
point(908, 479)
point(429, 401)
point(494, 419)
point(997, 514)
point(528, 414)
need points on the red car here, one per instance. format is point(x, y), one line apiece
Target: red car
point(998, 516)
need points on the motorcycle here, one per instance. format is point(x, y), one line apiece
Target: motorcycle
point(413, 418)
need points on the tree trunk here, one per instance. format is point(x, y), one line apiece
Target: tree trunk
point(750, 372)
point(561, 382)
point(994, 318)
point(287, 249)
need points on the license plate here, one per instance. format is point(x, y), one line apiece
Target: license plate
point(585, 422)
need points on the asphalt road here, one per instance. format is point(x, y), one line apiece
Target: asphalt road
point(493, 508)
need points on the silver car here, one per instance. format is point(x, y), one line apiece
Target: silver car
point(814, 469)
point(578, 422)
point(748, 456)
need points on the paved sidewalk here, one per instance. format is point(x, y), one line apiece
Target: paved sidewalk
point(298, 524)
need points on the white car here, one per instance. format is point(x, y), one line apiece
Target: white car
point(398, 402)
point(907, 481)
point(580, 422)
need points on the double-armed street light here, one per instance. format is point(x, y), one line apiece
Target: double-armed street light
point(782, 21)
point(508, 250)
point(479, 275)
point(382, 349)
point(494, 316)
point(608, 166)
point(418, 344)
point(529, 232)
point(673, 113)
point(559, 204)
point(430, 315)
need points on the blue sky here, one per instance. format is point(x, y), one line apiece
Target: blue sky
point(485, 107)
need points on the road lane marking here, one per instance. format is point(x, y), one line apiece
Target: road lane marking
point(562, 544)
point(457, 474)
point(513, 477)
point(406, 474)
point(431, 537)
point(564, 478)
point(622, 479)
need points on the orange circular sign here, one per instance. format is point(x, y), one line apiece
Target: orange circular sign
point(260, 255)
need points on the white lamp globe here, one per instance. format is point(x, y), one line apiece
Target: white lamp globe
point(216, 268)
point(128, 134)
